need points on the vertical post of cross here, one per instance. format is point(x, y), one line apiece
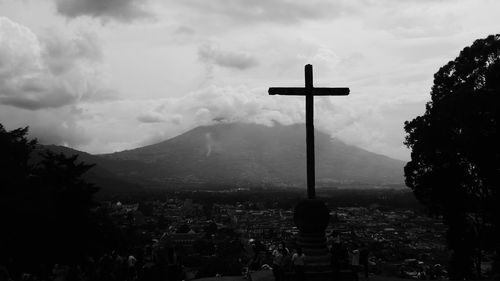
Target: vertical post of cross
point(311, 178)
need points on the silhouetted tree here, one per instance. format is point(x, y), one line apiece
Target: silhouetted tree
point(67, 199)
point(44, 206)
point(455, 159)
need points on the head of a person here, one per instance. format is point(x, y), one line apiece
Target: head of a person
point(299, 251)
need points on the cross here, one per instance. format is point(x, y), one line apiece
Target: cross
point(309, 91)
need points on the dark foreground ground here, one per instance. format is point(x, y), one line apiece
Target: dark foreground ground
point(267, 275)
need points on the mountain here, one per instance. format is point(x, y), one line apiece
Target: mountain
point(251, 154)
point(110, 183)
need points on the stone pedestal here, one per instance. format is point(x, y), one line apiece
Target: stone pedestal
point(311, 216)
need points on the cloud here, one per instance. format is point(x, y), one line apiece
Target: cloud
point(369, 121)
point(184, 30)
point(215, 104)
point(58, 126)
point(415, 19)
point(62, 51)
point(150, 117)
point(277, 11)
point(48, 71)
point(212, 54)
point(119, 10)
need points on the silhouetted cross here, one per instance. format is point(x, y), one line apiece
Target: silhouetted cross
point(309, 91)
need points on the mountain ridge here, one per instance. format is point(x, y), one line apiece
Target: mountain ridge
point(100, 175)
point(239, 154)
point(259, 154)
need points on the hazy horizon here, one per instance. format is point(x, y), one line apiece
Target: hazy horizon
point(218, 123)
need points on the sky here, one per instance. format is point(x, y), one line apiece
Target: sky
point(108, 75)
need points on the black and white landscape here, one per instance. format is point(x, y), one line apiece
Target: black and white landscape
point(249, 140)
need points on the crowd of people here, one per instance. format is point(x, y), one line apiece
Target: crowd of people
point(345, 259)
point(351, 259)
point(109, 267)
point(287, 262)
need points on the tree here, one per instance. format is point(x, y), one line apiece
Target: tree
point(65, 199)
point(455, 159)
point(14, 160)
point(44, 206)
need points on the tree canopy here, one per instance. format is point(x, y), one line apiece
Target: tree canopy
point(44, 206)
point(455, 159)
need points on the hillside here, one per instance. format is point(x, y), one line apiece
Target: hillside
point(256, 155)
point(100, 175)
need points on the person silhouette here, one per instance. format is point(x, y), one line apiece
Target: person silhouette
point(298, 263)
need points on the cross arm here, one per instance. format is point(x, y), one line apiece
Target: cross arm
point(291, 91)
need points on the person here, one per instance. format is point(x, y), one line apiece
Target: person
point(4, 274)
point(285, 249)
point(298, 263)
point(131, 263)
point(338, 255)
point(119, 266)
point(354, 255)
point(60, 272)
point(363, 259)
point(105, 268)
point(278, 257)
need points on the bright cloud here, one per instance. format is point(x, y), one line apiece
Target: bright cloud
point(38, 73)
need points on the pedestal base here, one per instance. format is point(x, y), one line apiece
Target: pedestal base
point(311, 217)
point(318, 265)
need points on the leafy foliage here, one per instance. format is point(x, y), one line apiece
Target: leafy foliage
point(45, 206)
point(455, 160)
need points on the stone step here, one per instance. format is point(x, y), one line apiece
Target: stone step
point(312, 243)
point(315, 235)
point(314, 259)
point(312, 247)
point(319, 270)
point(312, 239)
point(318, 263)
point(319, 276)
point(306, 242)
point(319, 266)
point(315, 252)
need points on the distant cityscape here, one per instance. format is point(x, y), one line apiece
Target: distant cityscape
point(401, 242)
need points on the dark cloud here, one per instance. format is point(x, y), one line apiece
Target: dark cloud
point(61, 52)
point(120, 10)
point(184, 30)
point(213, 55)
point(39, 98)
point(150, 118)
